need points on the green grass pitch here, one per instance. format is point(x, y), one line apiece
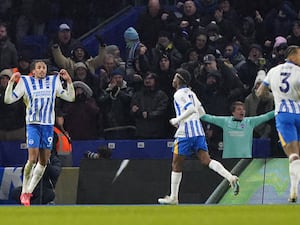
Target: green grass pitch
point(151, 214)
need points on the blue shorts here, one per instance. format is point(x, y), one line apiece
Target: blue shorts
point(188, 146)
point(288, 127)
point(39, 136)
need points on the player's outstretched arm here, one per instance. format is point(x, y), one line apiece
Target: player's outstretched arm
point(69, 95)
point(9, 96)
point(189, 111)
point(262, 90)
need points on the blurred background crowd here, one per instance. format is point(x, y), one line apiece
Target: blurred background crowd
point(228, 46)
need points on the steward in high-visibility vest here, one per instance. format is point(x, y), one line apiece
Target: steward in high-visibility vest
point(63, 145)
point(16, 69)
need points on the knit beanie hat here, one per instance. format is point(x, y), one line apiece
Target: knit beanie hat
point(118, 71)
point(110, 49)
point(80, 65)
point(131, 34)
point(279, 40)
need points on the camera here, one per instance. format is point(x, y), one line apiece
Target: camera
point(102, 152)
point(91, 155)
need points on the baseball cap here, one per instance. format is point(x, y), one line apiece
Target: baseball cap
point(208, 58)
point(64, 26)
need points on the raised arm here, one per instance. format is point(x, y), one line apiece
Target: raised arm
point(189, 111)
point(262, 90)
point(69, 94)
point(10, 95)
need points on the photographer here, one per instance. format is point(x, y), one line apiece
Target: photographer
point(44, 192)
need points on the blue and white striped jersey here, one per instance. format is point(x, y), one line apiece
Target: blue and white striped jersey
point(284, 81)
point(39, 97)
point(190, 126)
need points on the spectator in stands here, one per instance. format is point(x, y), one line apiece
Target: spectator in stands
point(201, 44)
point(255, 106)
point(151, 21)
point(12, 125)
point(232, 53)
point(5, 9)
point(230, 82)
point(33, 17)
point(64, 40)
point(149, 108)
point(215, 38)
point(165, 75)
point(227, 20)
point(78, 54)
point(81, 118)
point(109, 64)
point(165, 46)
point(206, 9)
point(8, 51)
point(294, 37)
point(137, 62)
point(216, 102)
point(277, 56)
point(193, 65)
point(191, 55)
point(115, 105)
point(44, 192)
point(279, 21)
point(82, 73)
point(248, 71)
point(24, 61)
point(188, 25)
point(228, 12)
point(115, 51)
point(246, 34)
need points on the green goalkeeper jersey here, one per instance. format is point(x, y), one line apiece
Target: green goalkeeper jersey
point(237, 135)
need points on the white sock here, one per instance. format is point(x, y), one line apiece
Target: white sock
point(219, 168)
point(175, 183)
point(36, 177)
point(28, 168)
point(294, 174)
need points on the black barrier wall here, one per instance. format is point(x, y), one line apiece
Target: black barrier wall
point(143, 181)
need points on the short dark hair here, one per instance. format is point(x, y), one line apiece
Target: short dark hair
point(34, 62)
point(184, 75)
point(235, 104)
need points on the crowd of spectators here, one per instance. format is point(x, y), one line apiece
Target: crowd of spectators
point(227, 46)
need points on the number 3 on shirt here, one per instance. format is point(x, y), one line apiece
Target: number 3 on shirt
point(285, 86)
